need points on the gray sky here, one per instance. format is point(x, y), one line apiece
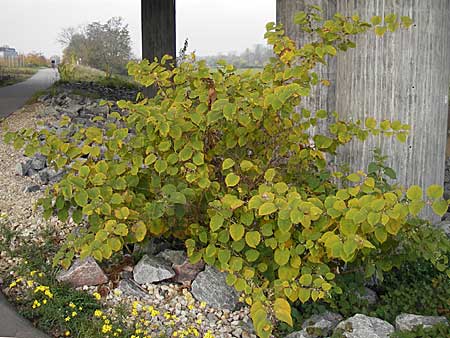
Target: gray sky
point(212, 26)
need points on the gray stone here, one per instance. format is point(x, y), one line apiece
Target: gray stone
point(32, 188)
point(362, 326)
point(22, 168)
point(444, 226)
point(131, 288)
point(322, 325)
point(407, 322)
point(38, 162)
point(367, 294)
point(73, 108)
point(176, 257)
point(83, 272)
point(152, 269)
point(298, 334)
point(32, 172)
point(210, 287)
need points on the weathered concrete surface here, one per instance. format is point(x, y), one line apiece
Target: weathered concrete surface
point(401, 76)
point(15, 96)
point(322, 97)
point(12, 325)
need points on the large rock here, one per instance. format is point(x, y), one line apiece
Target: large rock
point(407, 322)
point(22, 168)
point(38, 162)
point(152, 269)
point(175, 257)
point(185, 272)
point(368, 295)
point(210, 287)
point(131, 288)
point(362, 326)
point(83, 272)
point(322, 325)
point(444, 226)
point(298, 334)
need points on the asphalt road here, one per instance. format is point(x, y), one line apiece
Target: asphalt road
point(12, 98)
point(12, 325)
point(15, 96)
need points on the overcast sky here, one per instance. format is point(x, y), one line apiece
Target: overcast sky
point(212, 26)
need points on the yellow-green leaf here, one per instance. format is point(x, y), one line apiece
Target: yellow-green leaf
point(252, 238)
point(232, 179)
point(267, 209)
point(283, 310)
point(237, 231)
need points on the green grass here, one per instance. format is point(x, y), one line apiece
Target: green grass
point(88, 74)
point(10, 75)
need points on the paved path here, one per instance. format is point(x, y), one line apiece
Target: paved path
point(14, 97)
point(12, 325)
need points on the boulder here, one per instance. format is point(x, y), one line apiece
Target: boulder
point(368, 295)
point(322, 325)
point(152, 269)
point(175, 257)
point(444, 226)
point(83, 272)
point(187, 272)
point(210, 287)
point(22, 168)
point(38, 162)
point(407, 321)
point(131, 288)
point(32, 188)
point(362, 326)
point(298, 334)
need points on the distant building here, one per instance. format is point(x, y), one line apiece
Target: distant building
point(8, 52)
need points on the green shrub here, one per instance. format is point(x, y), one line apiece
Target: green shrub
point(437, 331)
point(221, 160)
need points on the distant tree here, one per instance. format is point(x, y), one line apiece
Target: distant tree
point(35, 59)
point(105, 46)
point(250, 58)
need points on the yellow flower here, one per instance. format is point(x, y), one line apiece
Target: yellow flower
point(106, 328)
point(80, 308)
point(191, 307)
point(48, 294)
point(44, 301)
point(32, 273)
point(97, 295)
point(30, 283)
point(40, 274)
point(208, 335)
point(203, 304)
point(198, 321)
point(74, 314)
point(72, 305)
point(67, 333)
point(36, 304)
point(97, 313)
point(13, 284)
point(67, 319)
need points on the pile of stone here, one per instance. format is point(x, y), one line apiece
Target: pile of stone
point(362, 326)
point(157, 280)
point(161, 280)
point(98, 90)
point(83, 112)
